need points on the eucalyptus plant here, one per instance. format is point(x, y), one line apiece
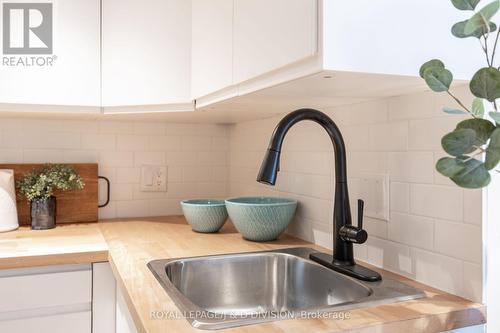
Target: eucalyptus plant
point(474, 145)
point(41, 183)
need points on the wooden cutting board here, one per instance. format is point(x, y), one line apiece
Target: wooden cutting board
point(72, 206)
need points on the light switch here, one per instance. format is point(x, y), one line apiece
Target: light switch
point(153, 178)
point(374, 190)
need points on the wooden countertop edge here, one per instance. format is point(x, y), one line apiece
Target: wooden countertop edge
point(83, 257)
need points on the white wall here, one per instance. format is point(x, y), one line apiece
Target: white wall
point(196, 156)
point(434, 231)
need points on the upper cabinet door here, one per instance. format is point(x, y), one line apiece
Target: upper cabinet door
point(52, 57)
point(270, 34)
point(212, 46)
point(146, 52)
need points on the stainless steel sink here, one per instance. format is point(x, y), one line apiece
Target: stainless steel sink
point(215, 292)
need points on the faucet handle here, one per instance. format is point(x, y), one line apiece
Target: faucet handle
point(361, 206)
point(352, 234)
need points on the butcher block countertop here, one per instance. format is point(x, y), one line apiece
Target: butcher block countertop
point(130, 244)
point(66, 244)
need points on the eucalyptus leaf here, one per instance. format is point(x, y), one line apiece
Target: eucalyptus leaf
point(482, 127)
point(429, 64)
point(453, 111)
point(458, 30)
point(493, 150)
point(438, 79)
point(495, 116)
point(477, 107)
point(449, 167)
point(459, 142)
point(486, 84)
point(465, 4)
point(474, 175)
point(481, 20)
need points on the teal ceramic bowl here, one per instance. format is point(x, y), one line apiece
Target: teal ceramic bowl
point(261, 219)
point(205, 215)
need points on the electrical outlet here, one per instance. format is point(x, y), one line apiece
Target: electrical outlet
point(153, 178)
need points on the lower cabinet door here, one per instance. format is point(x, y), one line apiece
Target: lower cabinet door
point(76, 322)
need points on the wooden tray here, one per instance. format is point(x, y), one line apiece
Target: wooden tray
point(72, 206)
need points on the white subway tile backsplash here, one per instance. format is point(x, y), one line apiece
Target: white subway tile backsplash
point(98, 141)
point(132, 142)
point(195, 174)
point(120, 148)
point(437, 201)
point(472, 283)
point(473, 206)
point(459, 240)
point(132, 208)
point(212, 158)
point(400, 197)
point(390, 255)
point(11, 156)
point(120, 192)
point(437, 270)
point(181, 159)
point(80, 156)
point(371, 112)
point(116, 159)
point(165, 143)
point(43, 156)
point(116, 127)
point(149, 128)
point(359, 163)
point(108, 212)
point(196, 143)
point(413, 230)
point(389, 137)
point(414, 167)
point(128, 175)
point(415, 106)
point(374, 227)
point(149, 158)
point(164, 207)
point(426, 134)
point(220, 143)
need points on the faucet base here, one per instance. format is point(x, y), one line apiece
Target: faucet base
point(355, 270)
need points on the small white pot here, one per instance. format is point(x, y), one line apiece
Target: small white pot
point(8, 209)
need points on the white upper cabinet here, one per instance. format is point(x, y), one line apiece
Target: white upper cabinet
point(271, 34)
point(395, 37)
point(212, 46)
point(69, 74)
point(146, 53)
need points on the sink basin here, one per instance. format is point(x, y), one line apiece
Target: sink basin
point(215, 292)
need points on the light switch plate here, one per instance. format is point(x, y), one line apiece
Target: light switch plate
point(153, 178)
point(374, 190)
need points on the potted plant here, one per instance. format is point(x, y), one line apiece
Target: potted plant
point(38, 188)
point(474, 145)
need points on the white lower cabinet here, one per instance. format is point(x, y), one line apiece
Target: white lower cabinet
point(75, 322)
point(124, 321)
point(58, 299)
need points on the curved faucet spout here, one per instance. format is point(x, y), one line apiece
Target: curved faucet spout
point(344, 233)
point(267, 174)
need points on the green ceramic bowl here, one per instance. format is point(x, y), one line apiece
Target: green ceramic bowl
point(261, 218)
point(205, 215)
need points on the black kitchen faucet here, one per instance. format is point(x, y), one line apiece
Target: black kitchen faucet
point(345, 234)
